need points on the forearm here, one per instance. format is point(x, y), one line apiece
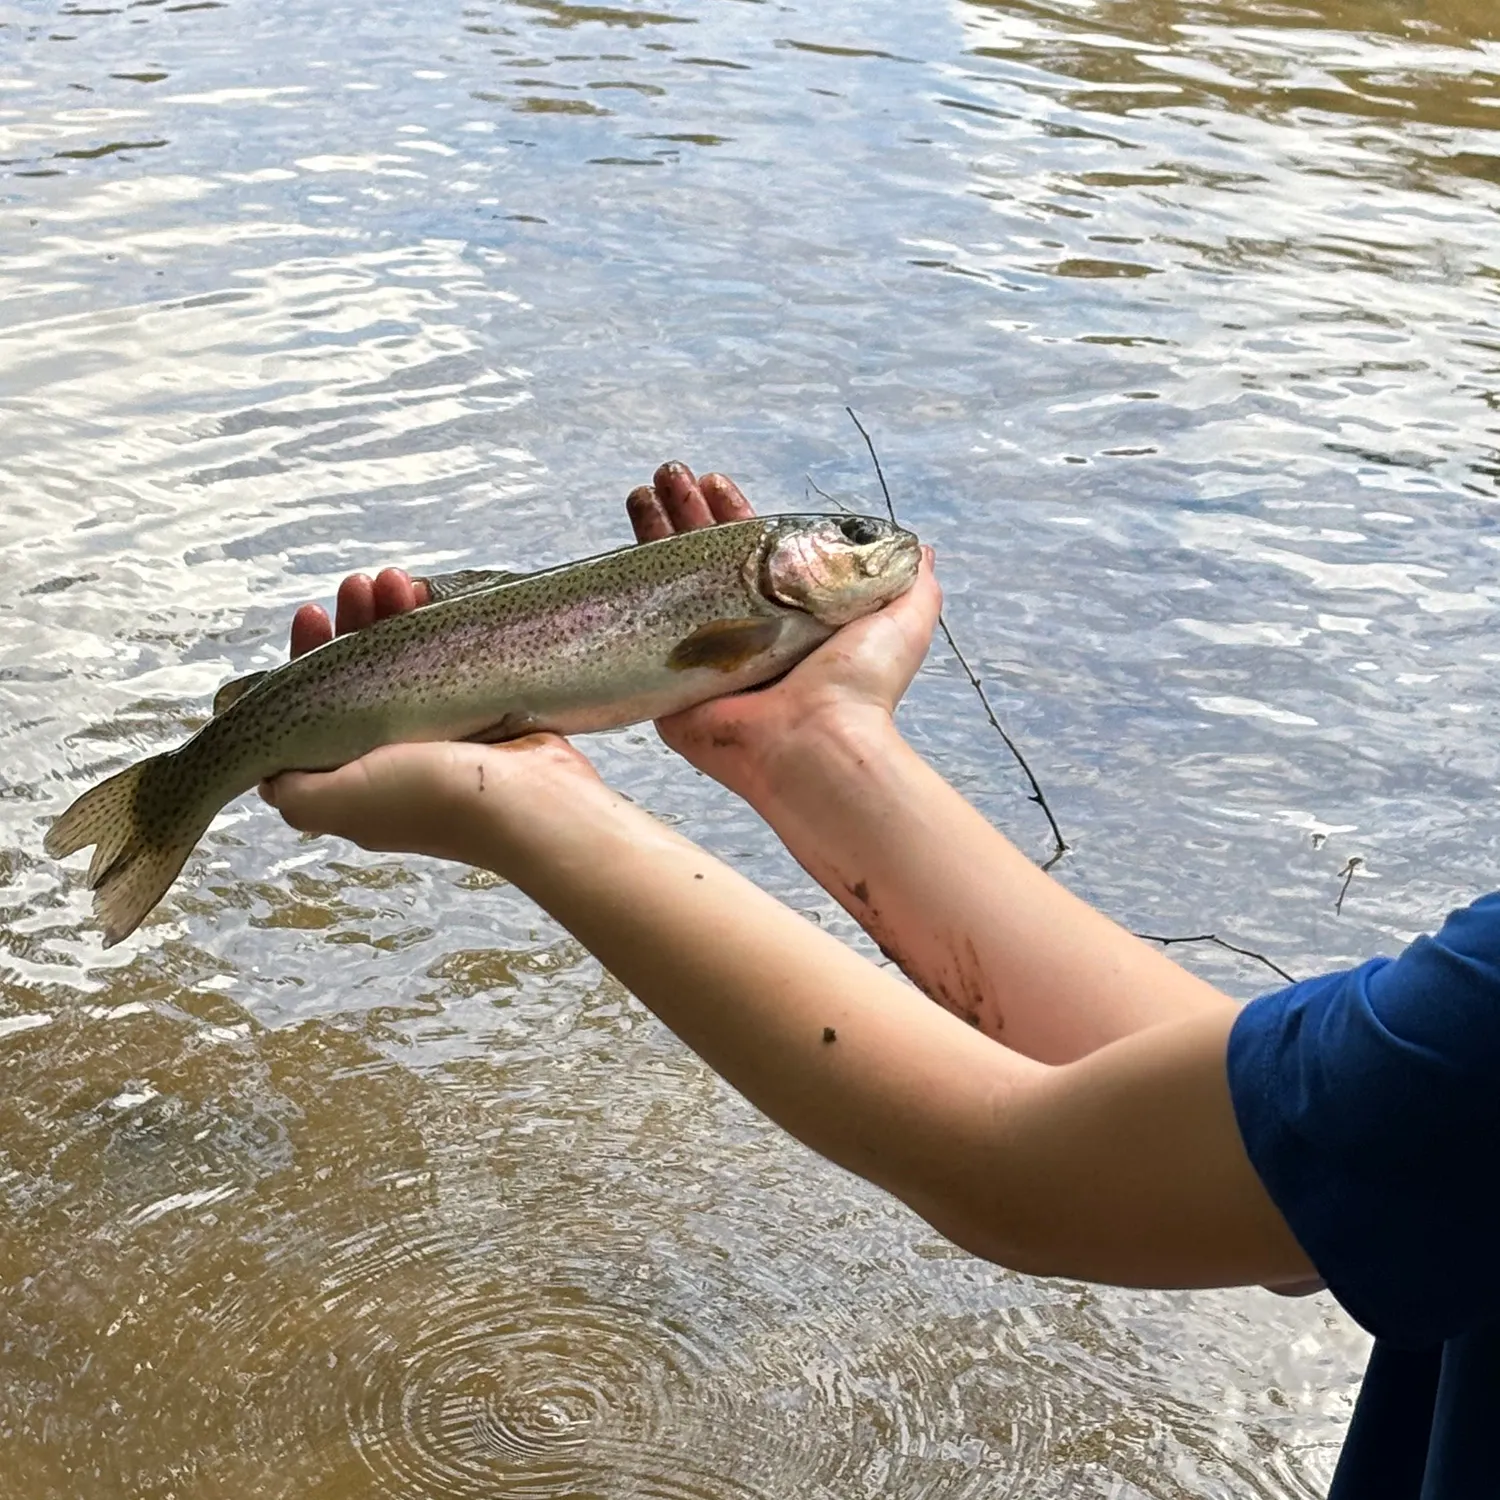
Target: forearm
point(843, 1055)
point(1125, 1166)
point(969, 918)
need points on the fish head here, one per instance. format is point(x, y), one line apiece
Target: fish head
point(838, 568)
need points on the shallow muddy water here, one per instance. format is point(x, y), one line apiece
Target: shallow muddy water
point(1176, 326)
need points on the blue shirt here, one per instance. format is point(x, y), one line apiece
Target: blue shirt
point(1369, 1102)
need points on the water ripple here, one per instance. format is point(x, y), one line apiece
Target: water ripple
point(1178, 334)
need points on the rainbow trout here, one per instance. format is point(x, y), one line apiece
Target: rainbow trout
point(630, 635)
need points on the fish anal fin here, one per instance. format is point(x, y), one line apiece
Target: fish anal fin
point(234, 690)
point(507, 727)
point(724, 645)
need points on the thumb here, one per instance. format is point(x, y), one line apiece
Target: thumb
point(317, 801)
point(928, 591)
point(918, 608)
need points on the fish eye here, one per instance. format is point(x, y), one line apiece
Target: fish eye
point(860, 530)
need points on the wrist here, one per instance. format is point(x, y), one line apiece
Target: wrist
point(579, 850)
point(516, 803)
point(837, 743)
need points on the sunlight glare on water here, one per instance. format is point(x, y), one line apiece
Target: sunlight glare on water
point(1176, 326)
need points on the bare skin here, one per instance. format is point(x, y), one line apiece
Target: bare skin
point(1064, 1111)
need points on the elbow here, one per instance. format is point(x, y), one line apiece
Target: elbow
point(986, 1234)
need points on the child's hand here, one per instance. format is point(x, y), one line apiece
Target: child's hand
point(362, 601)
point(462, 802)
point(866, 667)
point(452, 801)
point(418, 797)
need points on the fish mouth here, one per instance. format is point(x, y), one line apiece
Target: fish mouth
point(891, 568)
point(900, 554)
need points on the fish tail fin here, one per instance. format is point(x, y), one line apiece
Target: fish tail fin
point(133, 864)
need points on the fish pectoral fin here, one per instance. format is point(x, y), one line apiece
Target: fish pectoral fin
point(234, 690)
point(724, 645)
point(443, 586)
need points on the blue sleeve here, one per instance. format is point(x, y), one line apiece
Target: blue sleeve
point(1369, 1102)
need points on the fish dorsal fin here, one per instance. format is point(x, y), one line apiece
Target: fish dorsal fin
point(443, 586)
point(440, 586)
point(724, 645)
point(234, 690)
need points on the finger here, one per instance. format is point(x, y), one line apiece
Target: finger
point(290, 800)
point(317, 801)
point(647, 518)
point(925, 597)
point(394, 593)
point(725, 500)
point(356, 606)
point(681, 498)
point(311, 628)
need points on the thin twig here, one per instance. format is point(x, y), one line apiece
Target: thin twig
point(1348, 873)
point(1213, 937)
point(885, 489)
point(1036, 794)
point(818, 490)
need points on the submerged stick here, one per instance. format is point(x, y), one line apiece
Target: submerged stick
point(1348, 873)
point(1036, 794)
point(1213, 937)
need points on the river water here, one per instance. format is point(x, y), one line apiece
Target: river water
point(1178, 329)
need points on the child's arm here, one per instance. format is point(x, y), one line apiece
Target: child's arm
point(1125, 1166)
point(969, 918)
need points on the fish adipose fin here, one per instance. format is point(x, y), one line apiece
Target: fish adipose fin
point(724, 645)
point(234, 690)
point(132, 866)
point(443, 586)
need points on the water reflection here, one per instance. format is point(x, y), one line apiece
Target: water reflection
point(1177, 328)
